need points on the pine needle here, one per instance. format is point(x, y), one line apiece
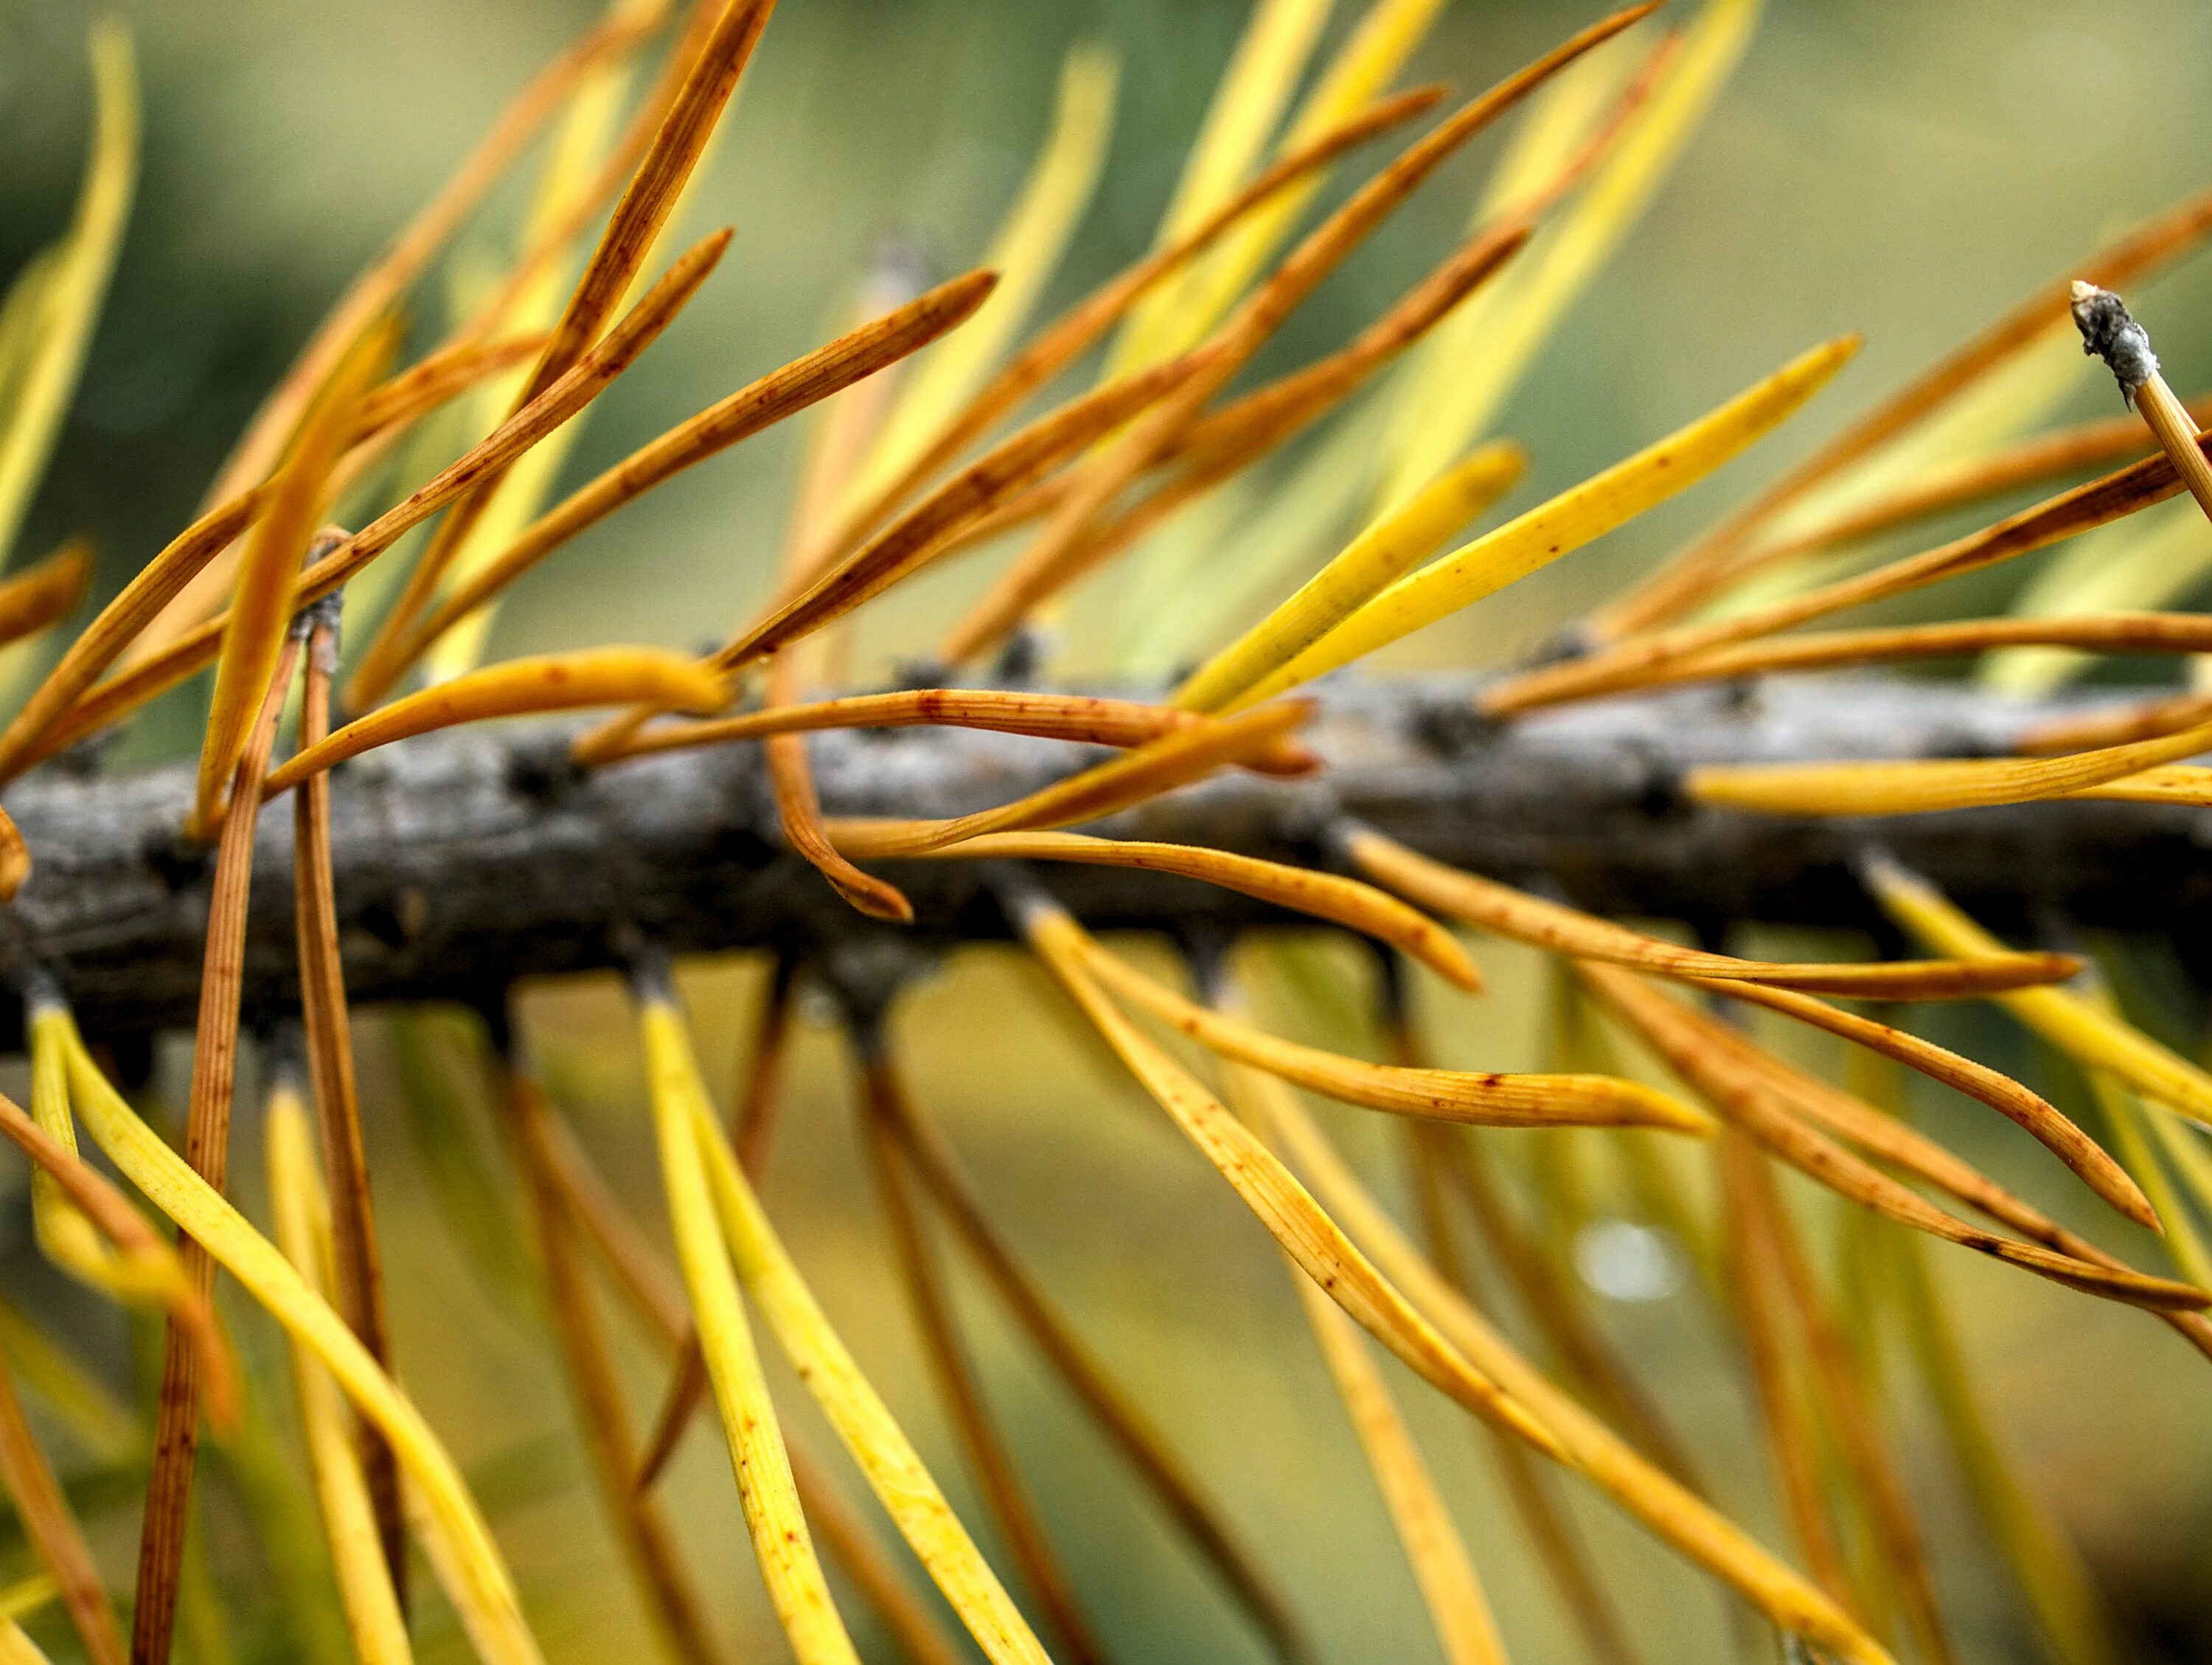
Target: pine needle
point(1570, 521)
point(483, 1592)
point(377, 1628)
point(1533, 919)
point(45, 593)
point(72, 280)
point(52, 1528)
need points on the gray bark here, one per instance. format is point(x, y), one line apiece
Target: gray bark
point(465, 861)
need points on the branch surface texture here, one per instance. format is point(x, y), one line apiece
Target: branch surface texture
point(465, 861)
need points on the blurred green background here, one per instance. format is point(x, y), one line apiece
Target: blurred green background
point(1902, 170)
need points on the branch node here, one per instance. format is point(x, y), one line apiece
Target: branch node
point(2109, 333)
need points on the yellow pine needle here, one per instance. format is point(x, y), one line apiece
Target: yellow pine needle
point(885, 1457)
point(1511, 912)
point(1144, 772)
point(482, 1589)
point(73, 282)
point(768, 400)
point(552, 682)
point(2045, 1565)
point(1471, 370)
point(27, 1596)
point(1289, 1211)
point(1999, 1092)
point(41, 595)
point(2095, 1039)
point(95, 1418)
point(569, 181)
point(1466, 1631)
point(1631, 661)
point(16, 1647)
point(1084, 717)
point(1248, 101)
point(1056, 556)
point(1371, 55)
point(1391, 545)
point(302, 1223)
point(1025, 253)
point(1570, 521)
point(261, 607)
point(1684, 580)
point(1918, 787)
point(2129, 1118)
point(1061, 342)
point(65, 1235)
point(1766, 1102)
point(781, 1543)
point(1346, 902)
point(924, 1144)
point(1013, 1510)
point(1490, 1100)
point(1667, 1508)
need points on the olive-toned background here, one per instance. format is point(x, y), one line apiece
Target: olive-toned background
point(1901, 169)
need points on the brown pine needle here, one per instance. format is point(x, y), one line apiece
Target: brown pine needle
point(1688, 578)
point(1148, 771)
point(799, 810)
point(96, 647)
point(1490, 1100)
point(1705, 1053)
point(1975, 479)
point(43, 594)
point(1631, 661)
point(2106, 633)
point(357, 1263)
point(1011, 1507)
point(1346, 902)
point(1667, 1508)
point(2108, 332)
point(1851, 1418)
point(261, 610)
point(1292, 1217)
point(1918, 787)
point(1052, 560)
point(762, 403)
point(1510, 913)
point(710, 81)
point(1086, 717)
point(925, 532)
point(207, 1149)
point(1213, 448)
point(1791, 1447)
point(550, 681)
point(1063, 341)
point(51, 1526)
point(61, 702)
point(2059, 1135)
point(374, 291)
point(669, 1597)
point(932, 1159)
point(156, 1266)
